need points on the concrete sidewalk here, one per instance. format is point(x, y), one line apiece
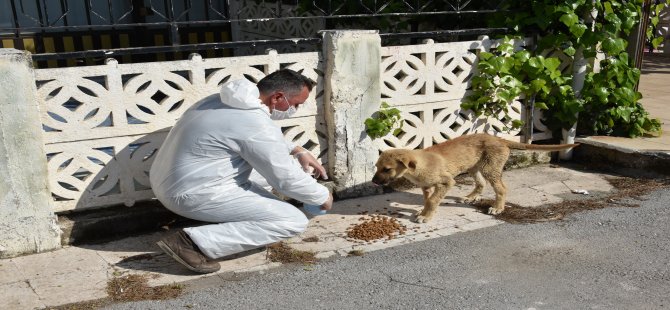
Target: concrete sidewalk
point(80, 273)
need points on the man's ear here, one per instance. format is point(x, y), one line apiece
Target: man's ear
point(408, 161)
point(277, 96)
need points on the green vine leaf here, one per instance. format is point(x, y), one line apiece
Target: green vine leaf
point(385, 120)
point(501, 64)
point(657, 41)
point(602, 93)
point(552, 64)
point(569, 19)
point(537, 85)
point(608, 8)
point(578, 30)
point(614, 46)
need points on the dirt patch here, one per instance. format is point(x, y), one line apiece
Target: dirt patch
point(625, 188)
point(376, 227)
point(127, 288)
point(135, 287)
point(635, 188)
point(282, 253)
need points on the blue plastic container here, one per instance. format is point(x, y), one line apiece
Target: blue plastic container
point(313, 209)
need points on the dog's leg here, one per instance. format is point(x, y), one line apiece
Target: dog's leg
point(431, 202)
point(492, 171)
point(501, 193)
point(474, 196)
point(427, 192)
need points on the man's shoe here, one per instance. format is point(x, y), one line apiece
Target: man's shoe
point(180, 247)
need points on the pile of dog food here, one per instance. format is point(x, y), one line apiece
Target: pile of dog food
point(376, 227)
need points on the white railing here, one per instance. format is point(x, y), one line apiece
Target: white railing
point(104, 123)
point(428, 82)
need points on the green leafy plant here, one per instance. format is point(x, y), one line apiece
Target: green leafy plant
point(607, 103)
point(509, 72)
point(383, 121)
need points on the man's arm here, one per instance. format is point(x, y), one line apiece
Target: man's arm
point(266, 151)
point(308, 162)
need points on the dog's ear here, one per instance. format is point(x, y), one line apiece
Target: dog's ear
point(408, 161)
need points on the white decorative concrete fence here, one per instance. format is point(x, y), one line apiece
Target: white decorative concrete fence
point(103, 124)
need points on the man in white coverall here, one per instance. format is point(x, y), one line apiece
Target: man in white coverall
point(203, 171)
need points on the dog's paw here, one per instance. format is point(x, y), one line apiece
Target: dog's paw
point(421, 219)
point(494, 211)
point(467, 199)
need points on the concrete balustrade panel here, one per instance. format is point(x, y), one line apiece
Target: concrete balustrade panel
point(103, 124)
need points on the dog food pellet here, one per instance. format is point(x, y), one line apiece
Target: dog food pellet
point(376, 227)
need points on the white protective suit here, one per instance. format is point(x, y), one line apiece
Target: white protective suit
point(202, 171)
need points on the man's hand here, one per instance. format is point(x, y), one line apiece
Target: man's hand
point(310, 164)
point(328, 204)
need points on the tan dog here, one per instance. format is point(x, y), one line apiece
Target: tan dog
point(433, 169)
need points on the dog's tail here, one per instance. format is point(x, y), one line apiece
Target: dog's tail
point(539, 147)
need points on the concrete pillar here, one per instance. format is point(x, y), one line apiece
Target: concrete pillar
point(27, 220)
point(579, 66)
point(352, 93)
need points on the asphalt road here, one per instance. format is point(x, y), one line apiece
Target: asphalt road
point(614, 258)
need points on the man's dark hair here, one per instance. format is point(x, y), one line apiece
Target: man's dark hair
point(284, 80)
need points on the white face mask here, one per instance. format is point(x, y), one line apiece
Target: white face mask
point(280, 115)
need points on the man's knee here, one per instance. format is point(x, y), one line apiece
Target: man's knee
point(300, 223)
point(295, 224)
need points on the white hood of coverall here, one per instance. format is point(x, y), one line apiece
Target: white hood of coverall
point(241, 94)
